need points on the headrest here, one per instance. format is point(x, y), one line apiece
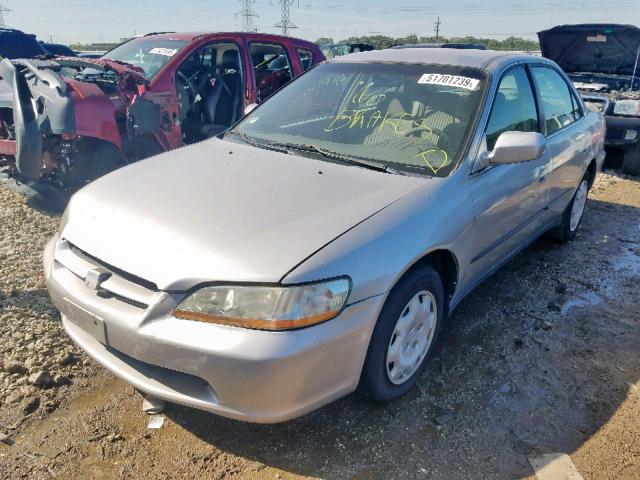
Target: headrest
point(230, 60)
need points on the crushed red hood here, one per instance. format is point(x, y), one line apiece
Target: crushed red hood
point(120, 68)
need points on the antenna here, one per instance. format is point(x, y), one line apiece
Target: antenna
point(247, 14)
point(285, 23)
point(3, 10)
point(437, 28)
point(635, 68)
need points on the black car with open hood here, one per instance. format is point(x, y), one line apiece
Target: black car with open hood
point(603, 61)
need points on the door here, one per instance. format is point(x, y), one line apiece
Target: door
point(508, 199)
point(567, 139)
point(210, 89)
point(271, 68)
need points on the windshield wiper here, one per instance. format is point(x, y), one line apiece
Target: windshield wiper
point(252, 141)
point(361, 162)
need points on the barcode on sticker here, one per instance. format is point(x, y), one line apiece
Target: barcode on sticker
point(167, 52)
point(597, 38)
point(449, 80)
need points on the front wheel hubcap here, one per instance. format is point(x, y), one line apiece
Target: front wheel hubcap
point(577, 208)
point(411, 337)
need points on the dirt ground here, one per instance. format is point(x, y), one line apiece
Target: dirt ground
point(543, 357)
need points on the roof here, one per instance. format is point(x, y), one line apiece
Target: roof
point(468, 46)
point(189, 36)
point(437, 56)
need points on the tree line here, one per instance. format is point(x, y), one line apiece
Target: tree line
point(382, 41)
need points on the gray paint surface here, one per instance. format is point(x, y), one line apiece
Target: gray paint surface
point(224, 212)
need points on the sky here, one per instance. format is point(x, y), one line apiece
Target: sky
point(70, 21)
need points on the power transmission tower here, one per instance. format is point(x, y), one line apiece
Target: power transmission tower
point(3, 10)
point(247, 14)
point(437, 28)
point(285, 23)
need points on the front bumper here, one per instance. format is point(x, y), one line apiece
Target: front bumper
point(244, 374)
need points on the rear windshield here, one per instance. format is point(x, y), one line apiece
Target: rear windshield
point(149, 54)
point(19, 45)
point(414, 118)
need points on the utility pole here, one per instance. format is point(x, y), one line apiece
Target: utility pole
point(247, 14)
point(3, 10)
point(285, 23)
point(437, 28)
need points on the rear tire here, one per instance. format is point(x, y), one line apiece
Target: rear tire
point(631, 160)
point(572, 216)
point(404, 337)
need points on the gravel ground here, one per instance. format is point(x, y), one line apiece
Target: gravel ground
point(543, 357)
point(37, 361)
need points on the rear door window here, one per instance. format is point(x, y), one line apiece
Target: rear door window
point(514, 108)
point(306, 58)
point(558, 105)
point(271, 68)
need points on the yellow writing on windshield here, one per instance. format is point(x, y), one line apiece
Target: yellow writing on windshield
point(434, 158)
point(364, 98)
point(371, 118)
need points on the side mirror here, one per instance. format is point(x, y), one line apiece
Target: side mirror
point(249, 108)
point(516, 147)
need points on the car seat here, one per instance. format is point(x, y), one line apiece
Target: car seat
point(221, 103)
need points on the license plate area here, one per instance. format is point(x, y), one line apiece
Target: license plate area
point(87, 321)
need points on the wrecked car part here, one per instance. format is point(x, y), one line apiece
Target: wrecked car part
point(602, 62)
point(145, 116)
point(76, 117)
point(28, 149)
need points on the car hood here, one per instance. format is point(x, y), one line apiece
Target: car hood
point(598, 48)
point(223, 211)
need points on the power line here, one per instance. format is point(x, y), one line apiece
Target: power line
point(247, 14)
point(285, 22)
point(3, 10)
point(437, 28)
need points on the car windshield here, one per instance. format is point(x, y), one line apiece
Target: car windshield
point(411, 118)
point(147, 53)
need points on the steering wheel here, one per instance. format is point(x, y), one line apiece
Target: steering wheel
point(190, 88)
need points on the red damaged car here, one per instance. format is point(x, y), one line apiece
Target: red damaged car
point(71, 120)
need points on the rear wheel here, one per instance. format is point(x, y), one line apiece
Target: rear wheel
point(631, 160)
point(404, 336)
point(572, 216)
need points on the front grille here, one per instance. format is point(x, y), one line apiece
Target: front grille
point(120, 285)
point(114, 270)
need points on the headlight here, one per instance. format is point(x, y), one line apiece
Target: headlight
point(627, 106)
point(267, 307)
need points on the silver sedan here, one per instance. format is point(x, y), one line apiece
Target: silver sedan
point(318, 247)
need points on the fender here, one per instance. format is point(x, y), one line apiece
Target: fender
point(95, 113)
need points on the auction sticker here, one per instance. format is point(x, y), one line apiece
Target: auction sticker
point(167, 52)
point(449, 80)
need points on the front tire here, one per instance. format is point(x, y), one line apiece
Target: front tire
point(92, 161)
point(404, 336)
point(631, 160)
